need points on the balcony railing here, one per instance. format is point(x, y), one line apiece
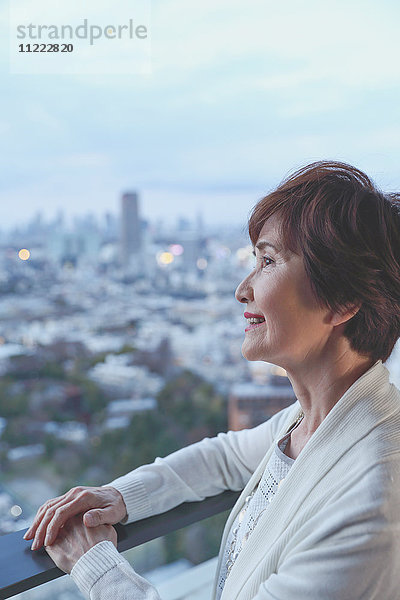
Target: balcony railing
point(21, 569)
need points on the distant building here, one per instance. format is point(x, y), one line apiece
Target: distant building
point(183, 224)
point(125, 408)
point(25, 452)
point(120, 412)
point(70, 431)
point(110, 227)
point(130, 228)
point(250, 404)
point(72, 247)
point(192, 246)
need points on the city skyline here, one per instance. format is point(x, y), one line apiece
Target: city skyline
point(153, 207)
point(100, 219)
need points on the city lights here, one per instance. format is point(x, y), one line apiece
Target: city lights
point(24, 254)
point(243, 253)
point(176, 249)
point(223, 252)
point(16, 510)
point(165, 258)
point(202, 264)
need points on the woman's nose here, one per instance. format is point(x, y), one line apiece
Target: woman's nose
point(244, 291)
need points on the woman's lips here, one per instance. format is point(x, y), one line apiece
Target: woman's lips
point(248, 315)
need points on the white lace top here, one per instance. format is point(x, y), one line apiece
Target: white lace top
point(275, 471)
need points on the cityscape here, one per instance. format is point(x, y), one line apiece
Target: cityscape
point(101, 321)
point(111, 328)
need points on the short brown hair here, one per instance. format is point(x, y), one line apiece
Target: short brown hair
point(348, 233)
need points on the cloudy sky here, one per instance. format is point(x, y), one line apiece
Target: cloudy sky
point(239, 94)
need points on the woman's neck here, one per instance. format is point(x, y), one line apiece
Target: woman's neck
point(319, 388)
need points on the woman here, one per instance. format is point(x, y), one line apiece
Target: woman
point(319, 513)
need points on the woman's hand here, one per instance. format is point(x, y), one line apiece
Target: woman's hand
point(74, 540)
point(98, 505)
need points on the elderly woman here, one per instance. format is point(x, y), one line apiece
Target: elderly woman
point(319, 514)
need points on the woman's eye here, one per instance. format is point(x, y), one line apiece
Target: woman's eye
point(263, 261)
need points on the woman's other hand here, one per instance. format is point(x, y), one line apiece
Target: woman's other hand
point(98, 505)
point(74, 540)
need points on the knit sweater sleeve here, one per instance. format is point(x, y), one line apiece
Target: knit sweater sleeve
point(206, 468)
point(104, 574)
point(202, 469)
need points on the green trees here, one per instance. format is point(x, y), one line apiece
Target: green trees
point(192, 404)
point(146, 437)
point(188, 410)
point(12, 405)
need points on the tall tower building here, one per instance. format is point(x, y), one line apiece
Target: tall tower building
point(130, 228)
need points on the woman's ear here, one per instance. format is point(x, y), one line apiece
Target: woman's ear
point(338, 318)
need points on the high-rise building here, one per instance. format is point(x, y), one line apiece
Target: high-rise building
point(130, 228)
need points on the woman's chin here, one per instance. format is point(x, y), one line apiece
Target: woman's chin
point(251, 353)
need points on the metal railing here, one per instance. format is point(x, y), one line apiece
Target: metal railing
point(21, 569)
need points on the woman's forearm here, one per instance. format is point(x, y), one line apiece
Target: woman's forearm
point(195, 472)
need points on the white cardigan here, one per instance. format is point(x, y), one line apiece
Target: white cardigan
point(332, 531)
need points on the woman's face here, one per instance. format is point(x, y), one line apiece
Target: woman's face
point(295, 327)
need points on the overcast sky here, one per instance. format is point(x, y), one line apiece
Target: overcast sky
point(239, 94)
